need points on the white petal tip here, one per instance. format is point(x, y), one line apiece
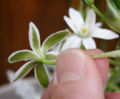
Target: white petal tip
point(65, 17)
point(71, 9)
point(31, 24)
point(10, 57)
point(115, 36)
point(91, 12)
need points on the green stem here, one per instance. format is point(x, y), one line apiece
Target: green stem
point(100, 14)
point(116, 63)
point(111, 54)
point(80, 7)
point(48, 62)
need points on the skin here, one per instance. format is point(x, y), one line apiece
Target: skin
point(78, 76)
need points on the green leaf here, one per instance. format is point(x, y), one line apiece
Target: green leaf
point(112, 9)
point(34, 39)
point(112, 54)
point(24, 70)
point(41, 75)
point(23, 55)
point(53, 40)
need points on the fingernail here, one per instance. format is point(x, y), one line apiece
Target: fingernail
point(71, 65)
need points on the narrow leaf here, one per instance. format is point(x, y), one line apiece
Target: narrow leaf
point(34, 38)
point(41, 75)
point(112, 8)
point(53, 40)
point(24, 70)
point(111, 54)
point(23, 55)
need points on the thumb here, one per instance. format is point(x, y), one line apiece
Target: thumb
point(77, 77)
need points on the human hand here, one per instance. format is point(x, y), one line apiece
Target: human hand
point(78, 76)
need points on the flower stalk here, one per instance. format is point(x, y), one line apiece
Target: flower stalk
point(111, 54)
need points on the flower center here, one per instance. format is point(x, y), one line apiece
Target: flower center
point(84, 31)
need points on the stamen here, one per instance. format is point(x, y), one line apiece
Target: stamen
point(84, 31)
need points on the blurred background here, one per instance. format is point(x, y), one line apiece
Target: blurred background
point(15, 16)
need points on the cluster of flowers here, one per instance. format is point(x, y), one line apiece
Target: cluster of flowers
point(82, 35)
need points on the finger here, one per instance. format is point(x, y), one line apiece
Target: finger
point(101, 63)
point(77, 77)
point(48, 92)
point(115, 95)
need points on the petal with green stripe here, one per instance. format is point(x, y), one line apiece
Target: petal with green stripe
point(34, 38)
point(24, 70)
point(53, 40)
point(23, 55)
point(41, 75)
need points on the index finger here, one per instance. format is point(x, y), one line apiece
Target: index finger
point(101, 63)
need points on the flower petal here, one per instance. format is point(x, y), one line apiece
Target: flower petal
point(54, 39)
point(70, 23)
point(56, 48)
point(89, 43)
point(98, 24)
point(72, 42)
point(53, 53)
point(76, 17)
point(23, 55)
point(104, 34)
point(23, 71)
point(34, 38)
point(41, 75)
point(91, 19)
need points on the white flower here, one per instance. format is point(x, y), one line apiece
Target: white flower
point(84, 31)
